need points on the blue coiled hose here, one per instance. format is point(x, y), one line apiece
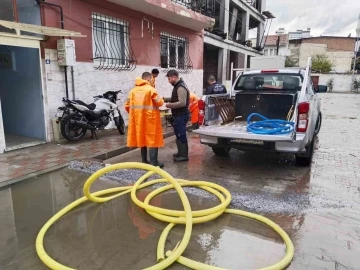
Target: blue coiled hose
point(269, 127)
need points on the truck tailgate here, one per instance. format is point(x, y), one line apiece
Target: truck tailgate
point(237, 130)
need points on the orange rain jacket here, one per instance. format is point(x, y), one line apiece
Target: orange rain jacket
point(194, 108)
point(145, 128)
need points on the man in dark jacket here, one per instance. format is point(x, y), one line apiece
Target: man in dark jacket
point(215, 87)
point(179, 105)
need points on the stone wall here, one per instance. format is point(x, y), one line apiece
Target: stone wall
point(333, 44)
point(342, 82)
point(90, 82)
point(342, 59)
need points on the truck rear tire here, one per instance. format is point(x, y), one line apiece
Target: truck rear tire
point(305, 160)
point(221, 151)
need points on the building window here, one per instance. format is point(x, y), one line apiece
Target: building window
point(111, 43)
point(174, 53)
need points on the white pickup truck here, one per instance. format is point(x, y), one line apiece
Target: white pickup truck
point(286, 94)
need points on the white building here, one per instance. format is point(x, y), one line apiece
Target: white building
point(339, 50)
point(280, 31)
point(299, 34)
point(271, 41)
point(228, 41)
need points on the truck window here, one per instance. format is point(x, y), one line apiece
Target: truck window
point(269, 81)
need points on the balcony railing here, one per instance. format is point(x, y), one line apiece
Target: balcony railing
point(205, 7)
point(253, 3)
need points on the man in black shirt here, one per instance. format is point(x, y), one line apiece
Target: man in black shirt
point(215, 87)
point(179, 105)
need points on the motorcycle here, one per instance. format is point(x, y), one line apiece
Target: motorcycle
point(77, 117)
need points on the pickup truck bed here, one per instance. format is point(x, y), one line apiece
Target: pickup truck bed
point(271, 104)
point(237, 130)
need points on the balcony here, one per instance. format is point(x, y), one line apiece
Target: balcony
point(192, 14)
point(205, 7)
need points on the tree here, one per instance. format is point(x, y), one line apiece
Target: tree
point(322, 63)
point(289, 62)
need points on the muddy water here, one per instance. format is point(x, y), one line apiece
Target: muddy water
point(117, 234)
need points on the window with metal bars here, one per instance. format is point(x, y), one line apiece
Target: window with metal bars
point(111, 43)
point(174, 53)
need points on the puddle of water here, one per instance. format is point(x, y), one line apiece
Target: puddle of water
point(117, 234)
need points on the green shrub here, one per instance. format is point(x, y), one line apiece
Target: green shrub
point(322, 63)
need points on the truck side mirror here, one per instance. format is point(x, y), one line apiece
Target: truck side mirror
point(322, 89)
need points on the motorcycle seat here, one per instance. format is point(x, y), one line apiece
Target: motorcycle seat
point(91, 106)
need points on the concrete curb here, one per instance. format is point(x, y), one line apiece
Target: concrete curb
point(102, 156)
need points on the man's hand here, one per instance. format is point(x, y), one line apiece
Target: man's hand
point(167, 105)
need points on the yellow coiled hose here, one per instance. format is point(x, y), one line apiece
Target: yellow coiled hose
point(174, 217)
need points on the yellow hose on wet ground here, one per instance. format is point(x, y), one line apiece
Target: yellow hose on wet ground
point(173, 217)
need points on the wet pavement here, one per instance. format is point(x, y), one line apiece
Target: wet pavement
point(25, 163)
point(319, 207)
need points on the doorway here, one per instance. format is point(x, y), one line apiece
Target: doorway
point(21, 97)
point(211, 56)
point(315, 81)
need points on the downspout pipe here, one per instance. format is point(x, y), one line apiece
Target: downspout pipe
point(39, 2)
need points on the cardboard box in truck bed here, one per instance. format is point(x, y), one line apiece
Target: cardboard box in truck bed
point(267, 62)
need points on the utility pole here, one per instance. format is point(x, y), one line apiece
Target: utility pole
point(356, 52)
point(277, 45)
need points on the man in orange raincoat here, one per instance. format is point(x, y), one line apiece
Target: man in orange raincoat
point(145, 127)
point(194, 110)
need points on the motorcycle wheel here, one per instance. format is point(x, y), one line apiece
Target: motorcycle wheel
point(121, 125)
point(70, 131)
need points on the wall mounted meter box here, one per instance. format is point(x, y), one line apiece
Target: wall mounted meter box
point(66, 52)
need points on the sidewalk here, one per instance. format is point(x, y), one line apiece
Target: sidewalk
point(30, 162)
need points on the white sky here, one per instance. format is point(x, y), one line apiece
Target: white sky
point(324, 17)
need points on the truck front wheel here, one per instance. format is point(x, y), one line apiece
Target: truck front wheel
point(221, 151)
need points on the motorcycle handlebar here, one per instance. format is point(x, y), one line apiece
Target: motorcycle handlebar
point(97, 96)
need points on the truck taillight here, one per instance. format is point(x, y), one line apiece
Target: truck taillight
point(303, 116)
point(201, 105)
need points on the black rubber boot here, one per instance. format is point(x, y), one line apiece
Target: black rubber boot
point(184, 153)
point(144, 155)
point(178, 152)
point(193, 127)
point(154, 157)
